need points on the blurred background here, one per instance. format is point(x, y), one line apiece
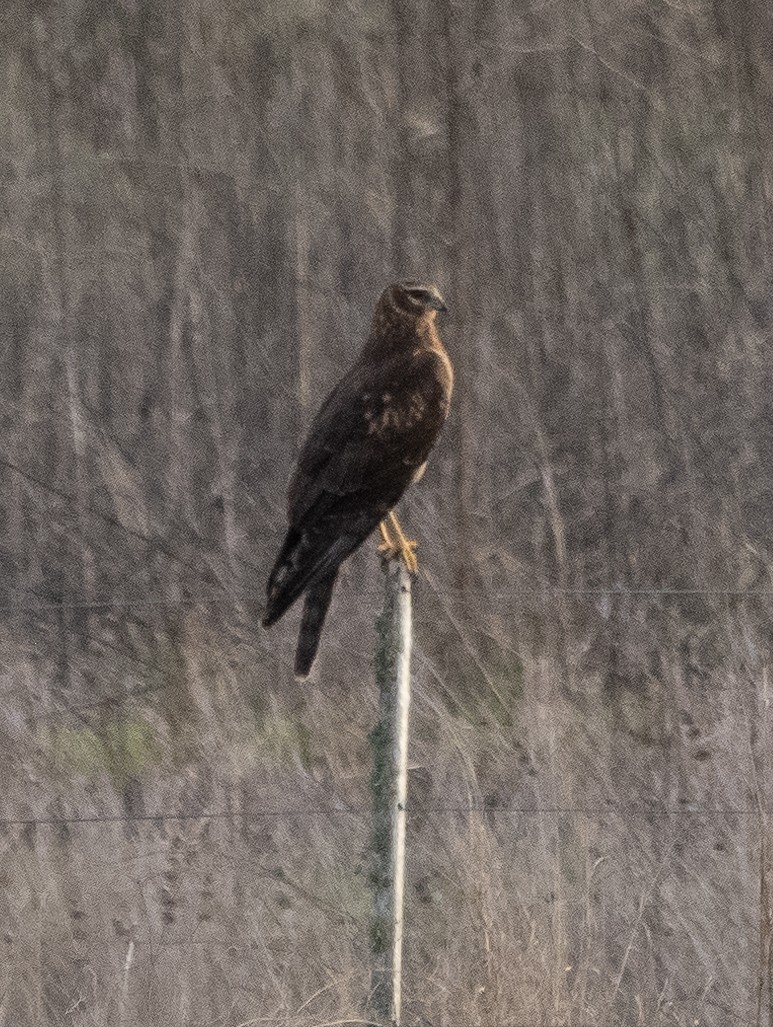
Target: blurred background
point(200, 205)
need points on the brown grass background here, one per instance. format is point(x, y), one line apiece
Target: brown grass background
point(199, 205)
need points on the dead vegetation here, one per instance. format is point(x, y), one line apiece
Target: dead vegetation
point(200, 204)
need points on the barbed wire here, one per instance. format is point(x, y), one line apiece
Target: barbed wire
point(545, 592)
point(366, 813)
point(109, 604)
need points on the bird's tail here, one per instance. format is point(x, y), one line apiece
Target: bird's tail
point(315, 608)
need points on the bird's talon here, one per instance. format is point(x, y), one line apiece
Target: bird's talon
point(388, 551)
point(411, 563)
point(405, 551)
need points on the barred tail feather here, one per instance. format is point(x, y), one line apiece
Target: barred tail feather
point(314, 610)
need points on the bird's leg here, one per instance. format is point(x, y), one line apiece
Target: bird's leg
point(388, 550)
point(405, 548)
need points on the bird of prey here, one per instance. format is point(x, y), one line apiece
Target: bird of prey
point(368, 442)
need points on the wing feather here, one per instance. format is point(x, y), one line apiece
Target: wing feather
point(369, 439)
point(372, 434)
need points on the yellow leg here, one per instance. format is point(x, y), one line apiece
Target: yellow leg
point(387, 548)
point(405, 548)
point(387, 545)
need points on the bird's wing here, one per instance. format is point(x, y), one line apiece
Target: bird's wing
point(363, 449)
point(373, 432)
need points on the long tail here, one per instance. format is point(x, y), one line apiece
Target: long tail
point(315, 608)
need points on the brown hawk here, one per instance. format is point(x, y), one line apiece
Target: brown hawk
point(369, 441)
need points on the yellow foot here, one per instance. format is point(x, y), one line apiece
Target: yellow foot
point(404, 550)
point(388, 551)
point(408, 555)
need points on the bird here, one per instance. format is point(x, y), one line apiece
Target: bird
point(368, 442)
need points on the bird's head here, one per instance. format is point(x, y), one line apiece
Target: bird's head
point(416, 298)
point(405, 311)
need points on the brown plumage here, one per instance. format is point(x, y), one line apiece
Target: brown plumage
point(369, 441)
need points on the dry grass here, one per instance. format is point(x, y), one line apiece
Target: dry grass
point(200, 202)
point(613, 886)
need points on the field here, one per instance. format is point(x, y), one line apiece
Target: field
point(200, 205)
